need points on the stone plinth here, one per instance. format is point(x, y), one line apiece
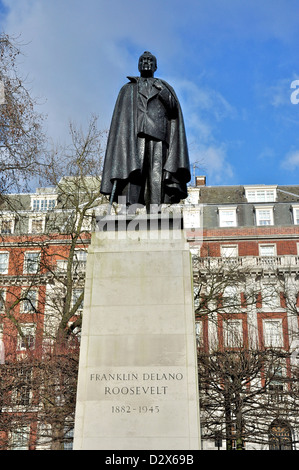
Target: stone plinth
point(137, 384)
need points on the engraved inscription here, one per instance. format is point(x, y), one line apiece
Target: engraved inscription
point(133, 384)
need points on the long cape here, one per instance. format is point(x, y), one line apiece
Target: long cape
point(122, 159)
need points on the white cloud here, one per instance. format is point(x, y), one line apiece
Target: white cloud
point(203, 109)
point(77, 55)
point(212, 161)
point(291, 161)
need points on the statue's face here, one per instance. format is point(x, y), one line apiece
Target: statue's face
point(147, 65)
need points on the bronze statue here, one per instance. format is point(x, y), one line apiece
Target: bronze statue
point(147, 156)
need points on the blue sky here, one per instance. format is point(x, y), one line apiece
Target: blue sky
point(231, 63)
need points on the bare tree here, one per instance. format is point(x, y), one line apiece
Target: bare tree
point(50, 291)
point(21, 135)
point(242, 392)
point(246, 381)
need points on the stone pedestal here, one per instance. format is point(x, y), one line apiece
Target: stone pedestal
point(137, 384)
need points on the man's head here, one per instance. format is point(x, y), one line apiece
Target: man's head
point(147, 64)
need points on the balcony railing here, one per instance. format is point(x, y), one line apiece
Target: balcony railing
point(78, 266)
point(284, 261)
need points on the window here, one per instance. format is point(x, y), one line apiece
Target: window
point(260, 194)
point(43, 436)
point(199, 333)
point(76, 294)
point(264, 215)
point(43, 203)
point(273, 333)
point(229, 251)
point(192, 217)
point(2, 299)
point(27, 339)
point(30, 301)
point(7, 225)
point(68, 439)
point(20, 438)
point(196, 292)
point(230, 296)
point(31, 262)
point(233, 334)
point(22, 391)
point(4, 262)
point(228, 217)
point(80, 258)
point(280, 436)
point(270, 295)
point(79, 262)
point(193, 196)
point(36, 224)
point(267, 250)
point(277, 379)
point(296, 215)
point(87, 223)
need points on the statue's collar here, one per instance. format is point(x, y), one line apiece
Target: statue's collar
point(156, 81)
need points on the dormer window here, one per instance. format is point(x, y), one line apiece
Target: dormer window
point(264, 215)
point(260, 193)
point(7, 224)
point(43, 203)
point(296, 214)
point(227, 216)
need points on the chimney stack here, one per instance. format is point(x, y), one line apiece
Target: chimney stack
point(200, 180)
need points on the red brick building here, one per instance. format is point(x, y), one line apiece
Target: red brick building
point(43, 250)
point(245, 246)
point(246, 271)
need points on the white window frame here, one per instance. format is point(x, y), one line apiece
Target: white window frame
point(259, 219)
point(31, 303)
point(4, 269)
point(44, 202)
point(80, 256)
point(260, 193)
point(231, 296)
point(199, 333)
point(193, 196)
point(233, 333)
point(28, 329)
point(87, 221)
point(263, 249)
point(79, 261)
point(44, 430)
point(2, 301)
point(273, 333)
point(295, 210)
point(270, 296)
point(277, 382)
point(193, 217)
point(23, 395)
point(26, 264)
point(229, 251)
point(75, 297)
point(19, 438)
point(196, 291)
point(7, 219)
point(224, 220)
point(34, 218)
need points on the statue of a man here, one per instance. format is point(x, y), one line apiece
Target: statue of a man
point(147, 156)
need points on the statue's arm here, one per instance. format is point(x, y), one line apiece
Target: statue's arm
point(169, 102)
